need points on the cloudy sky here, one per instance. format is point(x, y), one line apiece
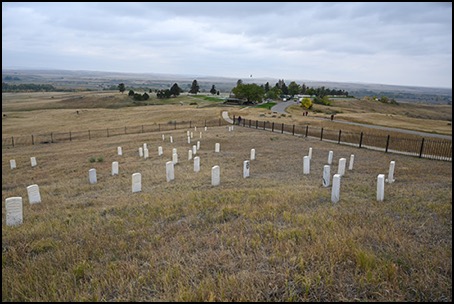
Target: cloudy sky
point(385, 43)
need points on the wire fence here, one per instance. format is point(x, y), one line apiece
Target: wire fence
point(439, 149)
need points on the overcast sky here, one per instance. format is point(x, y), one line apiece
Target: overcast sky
point(384, 43)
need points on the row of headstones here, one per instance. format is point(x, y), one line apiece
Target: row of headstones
point(13, 205)
point(170, 170)
point(12, 162)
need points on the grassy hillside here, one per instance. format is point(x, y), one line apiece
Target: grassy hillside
point(275, 236)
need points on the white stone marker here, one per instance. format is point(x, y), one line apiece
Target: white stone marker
point(310, 153)
point(174, 151)
point(145, 153)
point(326, 176)
point(189, 154)
point(380, 187)
point(171, 139)
point(192, 135)
point(194, 149)
point(215, 175)
point(350, 164)
point(33, 161)
point(175, 158)
point(12, 163)
point(159, 151)
point(92, 176)
point(195, 129)
point(217, 147)
point(119, 151)
point(341, 168)
point(391, 179)
point(200, 135)
point(205, 128)
point(330, 157)
point(163, 137)
point(246, 166)
point(33, 194)
point(145, 146)
point(189, 140)
point(187, 133)
point(252, 154)
point(170, 172)
point(136, 182)
point(114, 168)
point(198, 145)
point(306, 164)
point(196, 164)
point(14, 215)
point(140, 152)
point(335, 192)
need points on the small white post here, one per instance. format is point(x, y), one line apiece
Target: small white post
point(163, 137)
point(136, 182)
point(12, 163)
point(140, 152)
point(200, 135)
point(246, 166)
point(252, 154)
point(145, 146)
point(187, 133)
point(330, 157)
point(159, 151)
point(14, 215)
point(194, 149)
point(326, 176)
point(205, 128)
point(196, 164)
point(217, 147)
point(119, 151)
point(215, 175)
point(170, 172)
point(33, 194)
point(114, 168)
point(92, 176)
point(192, 135)
point(198, 145)
point(350, 164)
point(341, 168)
point(171, 139)
point(145, 153)
point(391, 179)
point(189, 154)
point(189, 140)
point(380, 187)
point(335, 192)
point(33, 161)
point(310, 153)
point(306, 165)
point(175, 158)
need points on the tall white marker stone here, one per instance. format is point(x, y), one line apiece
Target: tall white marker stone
point(119, 151)
point(341, 168)
point(33, 161)
point(170, 172)
point(306, 164)
point(114, 168)
point(326, 175)
point(380, 187)
point(33, 194)
point(391, 179)
point(196, 164)
point(246, 167)
point(215, 175)
point(189, 154)
point(136, 182)
point(92, 176)
point(350, 164)
point(12, 163)
point(335, 191)
point(252, 154)
point(159, 151)
point(310, 153)
point(14, 215)
point(330, 157)
point(217, 147)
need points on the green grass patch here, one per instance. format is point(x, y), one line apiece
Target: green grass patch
point(267, 105)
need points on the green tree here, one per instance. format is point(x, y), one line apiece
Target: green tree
point(251, 92)
point(306, 103)
point(213, 89)
point(121, 87)
point(293, 88)
point(239, 82)
point(175, 90)
point(194, 87)
point(273, 93)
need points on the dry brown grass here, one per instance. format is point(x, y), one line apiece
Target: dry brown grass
point(275, 236)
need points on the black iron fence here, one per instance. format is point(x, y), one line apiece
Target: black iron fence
point(440, 149)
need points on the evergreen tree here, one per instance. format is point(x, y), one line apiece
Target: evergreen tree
point(213, 89)
point(121, 87)
point(194, 87)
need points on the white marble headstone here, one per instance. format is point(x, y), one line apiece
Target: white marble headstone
point(390, 178)
point(380, 187)
point(335, 191)
point(136, 182)
point(92, 176)
point(306, 164)
point(115, 168)
point(12, 163)
point(350, 164)
point(215, 175)
point(217, 147)
point(341, 168)
point(310, 153)
point(252, 154)
point(170, 172)
point(33, 161)
point(330, 157)
point(33, 194)
point(145, 153)
point(189, 154)
point(14, 215)
point(140, 152)
point(196, 164)
point(119, 151)
point(159, 151)
point(326, 176)
point(246, 167)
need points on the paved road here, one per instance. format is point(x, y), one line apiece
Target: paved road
point(281, 106)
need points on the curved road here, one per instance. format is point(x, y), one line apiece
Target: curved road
point(281, 106)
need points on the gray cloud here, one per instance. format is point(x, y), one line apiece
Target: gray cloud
point(389, 43)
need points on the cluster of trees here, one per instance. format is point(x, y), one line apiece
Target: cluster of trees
point(27, 87)
point(137, 96)
point(294, 89)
